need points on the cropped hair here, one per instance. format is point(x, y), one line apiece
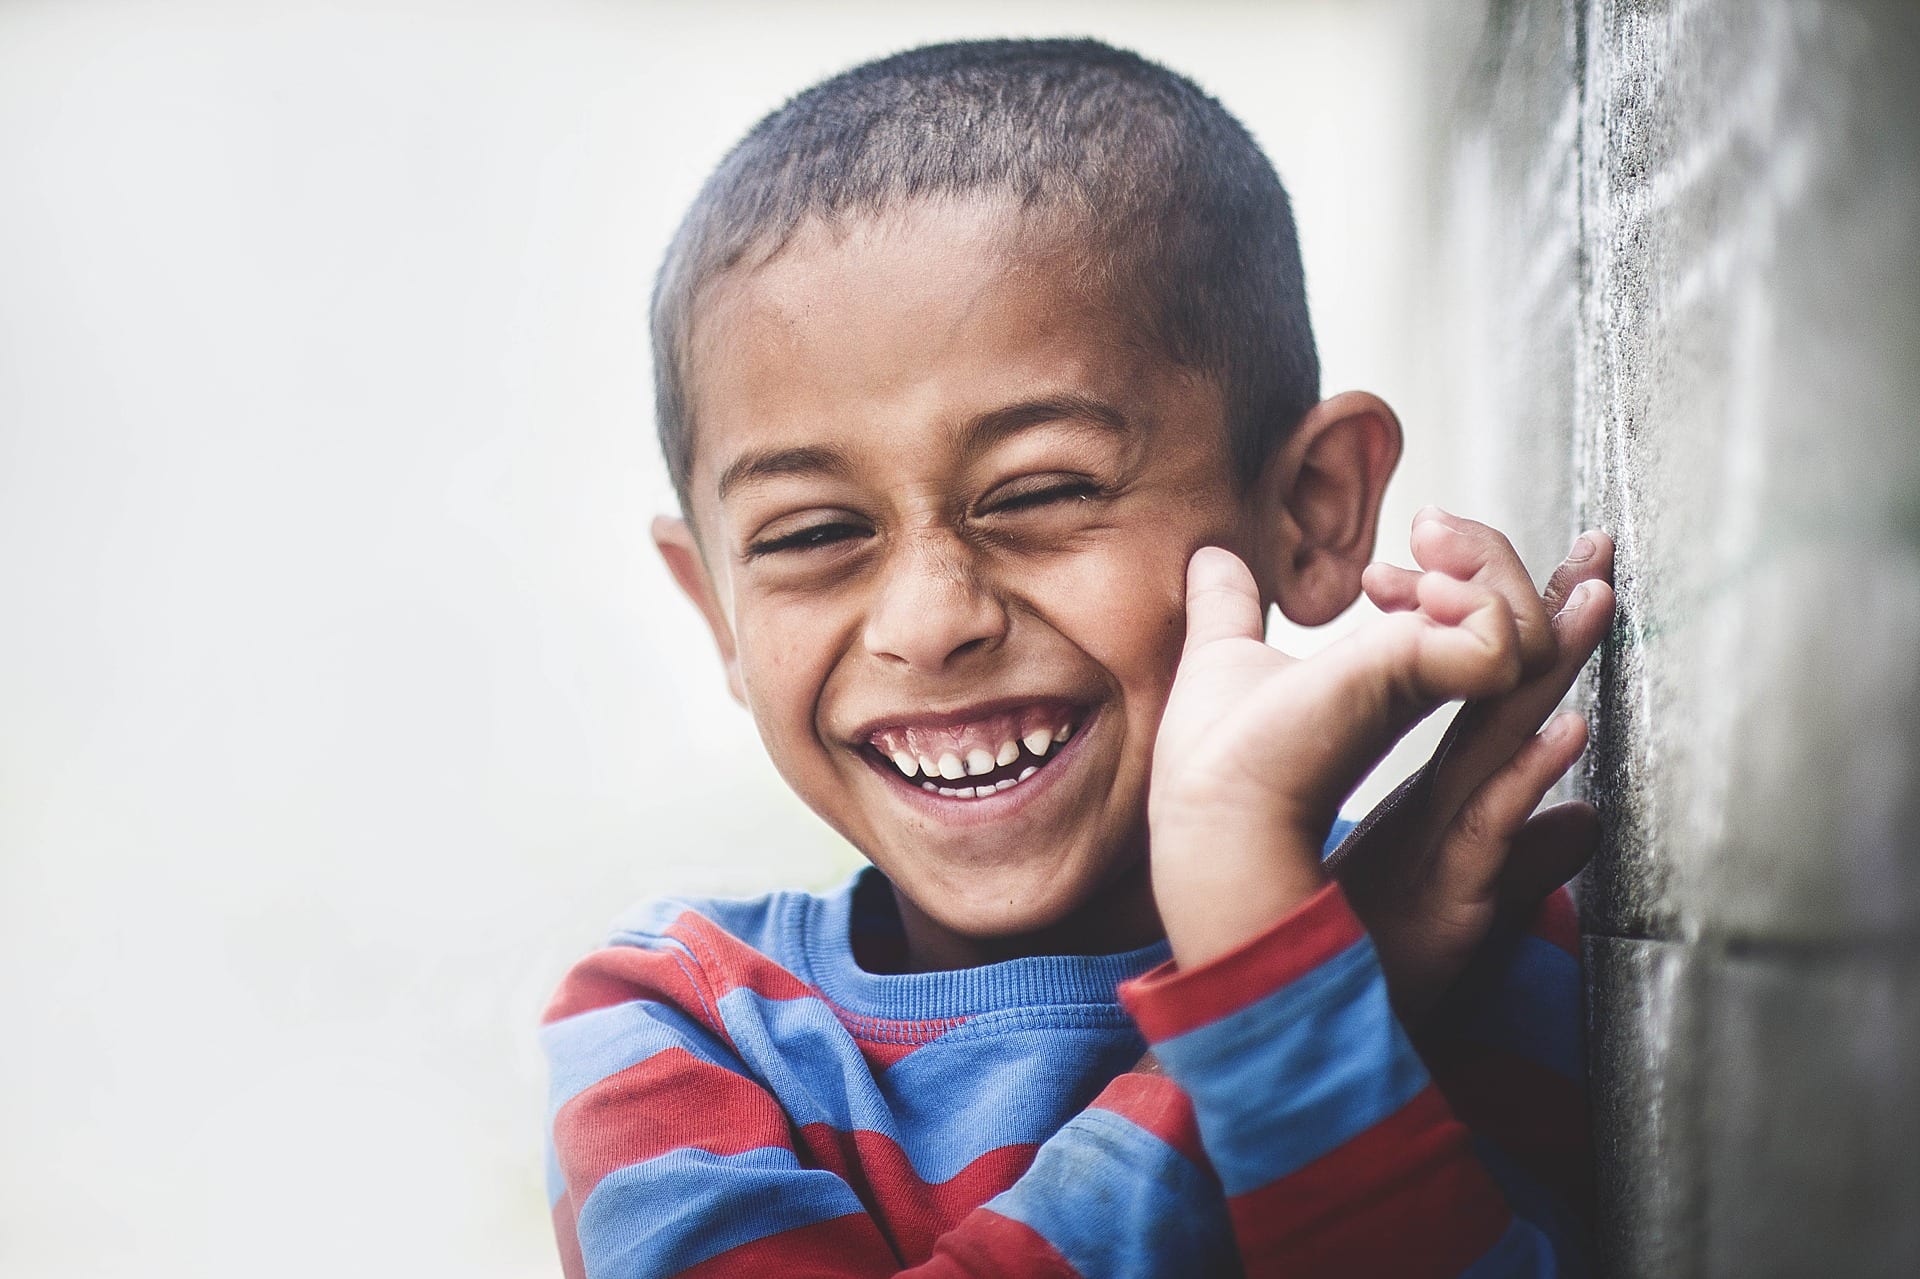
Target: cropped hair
point(1180, 215)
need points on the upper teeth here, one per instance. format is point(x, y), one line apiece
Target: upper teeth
point(973, 761)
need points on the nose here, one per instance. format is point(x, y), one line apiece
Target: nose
point(933, 605)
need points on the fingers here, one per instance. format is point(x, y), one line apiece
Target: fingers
point(1459, 642)
point(1591, 559)
point(1223, 602)
point(1486, 735)
point(1474, 853)
point(1390, 587)
point(1549, 850)
point(1468, 549)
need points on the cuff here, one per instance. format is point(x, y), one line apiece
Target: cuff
point(1167, 1002)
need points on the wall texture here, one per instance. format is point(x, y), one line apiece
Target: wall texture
point(1676, 293)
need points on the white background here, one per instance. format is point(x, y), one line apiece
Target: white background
point(342, 699)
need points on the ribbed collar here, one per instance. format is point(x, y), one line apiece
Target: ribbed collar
point(824, 926)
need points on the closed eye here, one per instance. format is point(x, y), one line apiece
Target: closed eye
point(813, 537)
point(1046, 494)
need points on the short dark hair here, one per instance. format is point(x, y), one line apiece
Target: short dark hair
point(1178, 203)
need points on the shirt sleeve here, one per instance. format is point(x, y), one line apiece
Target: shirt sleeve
point(666, 1158)
point(1507, 1049)
point(1337, 1152)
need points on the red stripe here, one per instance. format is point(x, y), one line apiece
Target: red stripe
point(719, 963)
point(1167, 1002)
point(989, 1246)
point(985, 1246)
point(670, 1101)
point(1404, 1198)
point(884, 1054)
point(565, 1232)
point(882, 1175)
point(1559, 921)
point(730, 964)
point(1159, 1105)
point(620, 974)
point(843, 1247)
point(1533, 1113)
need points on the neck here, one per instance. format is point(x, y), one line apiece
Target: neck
point(1119, 916)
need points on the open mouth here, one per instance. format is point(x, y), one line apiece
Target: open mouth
point(977, 758)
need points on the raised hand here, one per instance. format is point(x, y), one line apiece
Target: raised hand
point(1457, 848)
point(1256, 749)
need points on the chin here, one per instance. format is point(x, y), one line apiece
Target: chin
point(1040, 910)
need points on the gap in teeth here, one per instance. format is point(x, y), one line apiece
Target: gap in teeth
point(980, 749)
point(983, 789)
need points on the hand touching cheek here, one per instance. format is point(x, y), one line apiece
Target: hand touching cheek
point(1256, 749)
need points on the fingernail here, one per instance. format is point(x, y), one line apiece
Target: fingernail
point(1579, 596)
point(1583, 548)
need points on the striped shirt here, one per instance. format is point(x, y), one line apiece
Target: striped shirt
point(734, 1095)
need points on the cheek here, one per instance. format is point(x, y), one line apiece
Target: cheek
point(784, 656)
point(1125, 608)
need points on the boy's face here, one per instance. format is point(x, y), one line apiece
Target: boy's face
point(945, 500)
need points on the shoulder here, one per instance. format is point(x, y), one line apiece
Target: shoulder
point(689, 952)
point(759, 922)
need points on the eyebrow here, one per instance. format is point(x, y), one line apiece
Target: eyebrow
point(992, 427)
point(981, 433)
point(808, 460)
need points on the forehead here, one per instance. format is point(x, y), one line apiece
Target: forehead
point(911, 322)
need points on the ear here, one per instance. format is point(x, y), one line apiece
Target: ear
point(674, 537)
point(1325, 485)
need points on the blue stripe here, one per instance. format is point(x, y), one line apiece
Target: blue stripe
point(1303, 1071)
point(1565, 1235)
point(1521, 1253)
point(1341, 829)
point(587, 1047)
point(802, 1054)
point(946, 1103)
point(674, 1211)
point(1115, 1200)
point(957, 1099)
point(1529, 1006)
point(556, 1180)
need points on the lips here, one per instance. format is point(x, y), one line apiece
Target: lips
point(972, 756)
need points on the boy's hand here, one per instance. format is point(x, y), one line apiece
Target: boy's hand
point(1456, 848)
point(1256, 750)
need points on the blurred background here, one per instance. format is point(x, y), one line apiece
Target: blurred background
point(343, 701)
point(342, 697)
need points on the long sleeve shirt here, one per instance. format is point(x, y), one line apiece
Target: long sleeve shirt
point(734, 1095)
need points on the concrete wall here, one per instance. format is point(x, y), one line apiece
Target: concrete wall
point(1675, 292)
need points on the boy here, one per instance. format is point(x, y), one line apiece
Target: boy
point(986, 382)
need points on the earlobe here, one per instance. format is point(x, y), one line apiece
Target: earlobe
point(674, 538)
point(1329, 482)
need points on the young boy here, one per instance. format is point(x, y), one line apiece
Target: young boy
point(987, 385)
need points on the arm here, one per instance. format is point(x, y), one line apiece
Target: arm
point(1507, 1049)
point(668, 1159)
point(1336, 1150)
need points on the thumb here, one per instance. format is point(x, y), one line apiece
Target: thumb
point(1222, 600)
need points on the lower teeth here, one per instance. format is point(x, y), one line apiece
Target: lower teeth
point(984, 789)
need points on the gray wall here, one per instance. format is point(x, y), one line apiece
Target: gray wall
point(1674, 291)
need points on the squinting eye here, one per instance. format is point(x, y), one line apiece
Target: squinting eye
point(806, 539)
point(1079, 490)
